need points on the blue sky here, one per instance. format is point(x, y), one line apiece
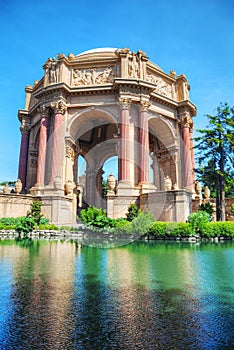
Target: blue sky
point(191, 37)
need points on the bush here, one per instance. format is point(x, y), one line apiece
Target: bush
point(48, 227)
point(172, 229)
point(142, 223)
point(26, 225)
point(133, 212)
point(232, 208)
point(158, 229)
point(96, 217)
point(218, 229)
point(198, 219)
point(207, 207)
point(35, 212)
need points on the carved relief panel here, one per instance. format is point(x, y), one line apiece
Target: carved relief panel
point(93, 76)
point(162, 87)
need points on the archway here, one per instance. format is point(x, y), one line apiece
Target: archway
point(163, 145)
point(94, 134)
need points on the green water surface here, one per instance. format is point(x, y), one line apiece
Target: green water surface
point(143, 295)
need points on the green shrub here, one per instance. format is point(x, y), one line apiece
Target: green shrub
point(133, 212)
point(232, 208)
point(96, 217)
point(9, 221)
point(142, 223)
point(26, 225)
point(126, 229)
point(198, 219)
point(35, 212)
point(48, 227)
point(180, 229)
point(120, 222)
point(158, 229)
point(44, 221)
point(218, 229)
point(207, 207)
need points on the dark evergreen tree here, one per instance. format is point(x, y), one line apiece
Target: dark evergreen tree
point(216, 146)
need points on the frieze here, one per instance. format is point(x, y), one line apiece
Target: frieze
point(93, 76)
point(162, 87)
point(12, 198)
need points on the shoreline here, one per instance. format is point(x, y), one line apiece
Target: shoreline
point(80, 235)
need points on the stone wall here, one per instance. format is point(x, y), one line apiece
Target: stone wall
point(171, 206)
point(14, 205)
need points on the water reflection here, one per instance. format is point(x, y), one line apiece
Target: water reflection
point(62, 295)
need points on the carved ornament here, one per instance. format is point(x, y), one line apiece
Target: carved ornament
point(144, 106)
point(43, 110)
point(134, 66)
point(93, 76)
point(186, 122)
point(25, 127)
point(58, 107)
point(70, 153)
point(162, 87)
point(51, 70)
point(125, 103)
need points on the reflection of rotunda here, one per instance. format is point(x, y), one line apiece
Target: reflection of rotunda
point(104, 103)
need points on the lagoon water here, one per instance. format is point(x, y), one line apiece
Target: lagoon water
point(143, 295)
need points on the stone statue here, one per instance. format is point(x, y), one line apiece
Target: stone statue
point(167, 183)
point(134, 70)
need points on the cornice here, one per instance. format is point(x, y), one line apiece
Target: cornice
point(190, 105)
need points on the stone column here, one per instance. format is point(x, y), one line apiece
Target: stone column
point(192, 154)
point(186, 123)
point(41, 160)
point(144, 142)
point(23, 158)
point(58, 141)
point(124, 163)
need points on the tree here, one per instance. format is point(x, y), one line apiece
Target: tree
point(216, 145)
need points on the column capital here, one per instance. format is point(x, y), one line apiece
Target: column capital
point(43, 111)
point(186, 122)
point(125, 103)
point(144, 106)
point(25, 127)
point(58, 107)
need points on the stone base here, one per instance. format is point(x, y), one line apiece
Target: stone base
point(59, 210)
point(170, 206)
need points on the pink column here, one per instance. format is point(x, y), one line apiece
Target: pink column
point(144, 143)
point(124, 163)
point(41, 162)
point(187, 159)
point(58, 141)
point(192, 155)
point(23, 158)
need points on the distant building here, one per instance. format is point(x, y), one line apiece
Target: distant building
point(103, 103)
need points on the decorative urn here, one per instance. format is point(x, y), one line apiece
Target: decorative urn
point(207, 192)
point(198, 188)
point(111, 182)
point(18, 186)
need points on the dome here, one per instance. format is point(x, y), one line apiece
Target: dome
point(101, 49)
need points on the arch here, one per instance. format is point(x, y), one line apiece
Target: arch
point(162, 128)
point(163, 151)
point(94, 132)
point(86, 116)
